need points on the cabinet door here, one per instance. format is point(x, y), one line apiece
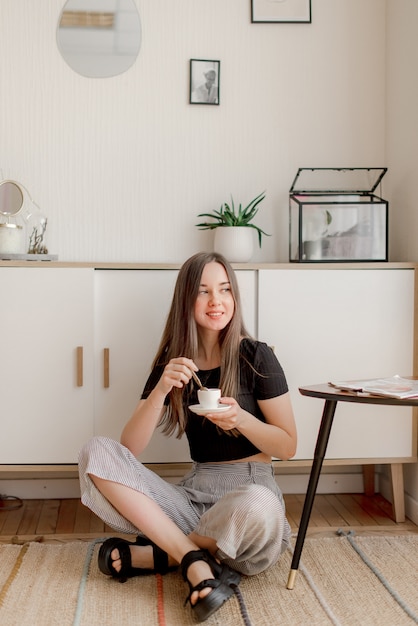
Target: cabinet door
point(45, 315)
point(340, 325)
point(131, 310)
point(247, 282)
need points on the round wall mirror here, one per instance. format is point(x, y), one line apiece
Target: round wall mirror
point(11, 198)
point(99, 38)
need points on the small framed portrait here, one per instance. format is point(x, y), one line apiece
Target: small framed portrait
point(204, 81)
point(285, 11)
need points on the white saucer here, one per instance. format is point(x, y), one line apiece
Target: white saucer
point(199, 410)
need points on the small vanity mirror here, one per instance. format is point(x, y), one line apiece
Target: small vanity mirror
point(11, 231)
point(11, 198)
point(22, 224)
point(99, 38)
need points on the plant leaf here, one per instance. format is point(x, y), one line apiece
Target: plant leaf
point(228, 215)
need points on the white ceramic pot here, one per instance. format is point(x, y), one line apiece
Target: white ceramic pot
point(235, 243)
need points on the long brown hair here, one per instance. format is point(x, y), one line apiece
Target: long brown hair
point(180, 335)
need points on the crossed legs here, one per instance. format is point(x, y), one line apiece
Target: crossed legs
point(149, 518)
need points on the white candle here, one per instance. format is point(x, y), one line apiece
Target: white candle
point(11, 239)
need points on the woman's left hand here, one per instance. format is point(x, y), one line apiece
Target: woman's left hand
point(228, 419)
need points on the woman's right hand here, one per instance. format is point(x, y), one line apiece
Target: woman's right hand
point(138, 431)
point(177, 373)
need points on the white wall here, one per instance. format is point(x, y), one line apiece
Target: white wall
point(122, 166)
point(402, 126)
point(402, 157)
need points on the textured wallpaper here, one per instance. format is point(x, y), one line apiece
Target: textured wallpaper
point(122, 166)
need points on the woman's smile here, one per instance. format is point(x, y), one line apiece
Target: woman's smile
point(215, 314)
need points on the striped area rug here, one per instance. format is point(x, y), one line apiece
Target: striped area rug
point(346, 580)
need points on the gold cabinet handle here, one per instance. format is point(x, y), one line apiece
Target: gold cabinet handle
point(79, 366)
point(106, 368)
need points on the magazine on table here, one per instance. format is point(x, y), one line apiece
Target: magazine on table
point(393, 387)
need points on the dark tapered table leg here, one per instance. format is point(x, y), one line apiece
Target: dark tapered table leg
point(320, 449)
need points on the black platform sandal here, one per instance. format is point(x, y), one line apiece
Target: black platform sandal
point(222, 585)
point(127, 571)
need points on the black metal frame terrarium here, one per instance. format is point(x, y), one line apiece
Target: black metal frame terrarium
point(334, 215)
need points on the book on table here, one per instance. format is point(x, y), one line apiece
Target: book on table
point(393, 387)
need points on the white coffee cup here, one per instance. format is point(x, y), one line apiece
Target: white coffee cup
point(209, 398)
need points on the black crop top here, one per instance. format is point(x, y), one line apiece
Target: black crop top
point(207, 443)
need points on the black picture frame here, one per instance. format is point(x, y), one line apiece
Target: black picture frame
point(281, 11)
point(204, 81)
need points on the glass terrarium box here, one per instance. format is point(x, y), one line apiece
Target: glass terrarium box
point(335, 215)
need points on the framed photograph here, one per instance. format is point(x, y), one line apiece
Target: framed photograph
point(204, 81)
point(284, 11)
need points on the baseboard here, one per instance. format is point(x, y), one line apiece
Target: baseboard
point(328, 483)
point(411, 508)
point(41, 488)
point(59, 488)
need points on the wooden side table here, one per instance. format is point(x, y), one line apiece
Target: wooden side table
point(332, 396)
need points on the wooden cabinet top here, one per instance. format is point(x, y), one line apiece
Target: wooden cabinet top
point(239, 266)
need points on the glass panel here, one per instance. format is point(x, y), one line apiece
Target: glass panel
point(344, 232)
point(337, 180)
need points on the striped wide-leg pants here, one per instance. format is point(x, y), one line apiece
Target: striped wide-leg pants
point(239, 505)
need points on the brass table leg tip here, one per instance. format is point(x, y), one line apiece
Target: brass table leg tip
point(291, 579)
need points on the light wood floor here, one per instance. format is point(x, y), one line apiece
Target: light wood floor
point(67, 520)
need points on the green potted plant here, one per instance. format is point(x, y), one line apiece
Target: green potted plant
point(233, 237)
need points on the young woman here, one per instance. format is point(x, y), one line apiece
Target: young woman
point(227, 516)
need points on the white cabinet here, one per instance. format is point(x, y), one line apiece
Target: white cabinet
point(131, 307)
point(324, 324)
point(45, 315)
point(342, 324)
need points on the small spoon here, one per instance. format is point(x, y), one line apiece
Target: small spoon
point(197, 379)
